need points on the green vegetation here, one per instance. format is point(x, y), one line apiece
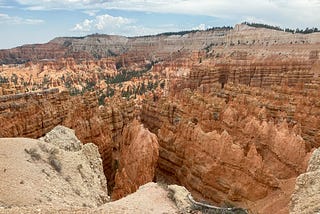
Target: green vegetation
point(110, 91)
point(305, 31)
point(3, 80)
point(45, 81)
point(101, 99)
point(130, 91)
point(53, 160)
point(181, 33)
point(162, 85)
point(140, 89)
point(14, 79)
point(33, 153)
point(128, 75)
point(68, 82)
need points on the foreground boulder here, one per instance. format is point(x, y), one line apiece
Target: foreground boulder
point(149, 199)
point(306, 197)
point(56, 170)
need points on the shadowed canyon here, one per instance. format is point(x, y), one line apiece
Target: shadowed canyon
point(231, 114)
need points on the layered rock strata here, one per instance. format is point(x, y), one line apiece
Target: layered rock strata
point(227, 150)
point(160, 48)
point(36, 113)
point(137, 159)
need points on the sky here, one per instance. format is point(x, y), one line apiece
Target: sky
point(39, 21)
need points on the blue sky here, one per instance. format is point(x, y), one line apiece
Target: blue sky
point(38, 21)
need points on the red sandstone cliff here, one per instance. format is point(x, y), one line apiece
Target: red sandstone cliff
point(138, 156)
point(228, 152)
point(36, 113)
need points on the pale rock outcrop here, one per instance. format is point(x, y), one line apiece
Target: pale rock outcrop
point(150, 198)
point(64, 138)
point(36, 172)
point(179, 195)
point(306, 197)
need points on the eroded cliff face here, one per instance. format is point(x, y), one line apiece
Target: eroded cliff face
point(258, 73)
point(158, 48)
point(137, 159)
point(36, 113)
point(231, 147)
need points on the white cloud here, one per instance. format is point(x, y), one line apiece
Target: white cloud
point(282, 12)
point(91, 12)
point(6, 19)
point(85, 26)
point(104, 22)
point(61, 4)
point(119, 26)
point(200, 27)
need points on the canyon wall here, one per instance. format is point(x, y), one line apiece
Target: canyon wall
point(296, 105)
point(34, 114)
point(238, 145)
point(156, 48)
point(264, 73)
point(138, 156)
point(134, 49)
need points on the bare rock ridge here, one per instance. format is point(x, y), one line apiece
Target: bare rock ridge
point(138, 49)
point(149, 198)
point(305, 198)
point(37, 172)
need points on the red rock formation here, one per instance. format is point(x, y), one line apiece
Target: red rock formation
point(65, 73)
point(34, 114)
point(264, 73)
point(230, 151)
point(137, 159)
point(227, 141)
point(136, 50)
point(74, 64)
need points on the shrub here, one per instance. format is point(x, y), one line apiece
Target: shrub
point(33, 153)
point(55, 163)
point(53, 160)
